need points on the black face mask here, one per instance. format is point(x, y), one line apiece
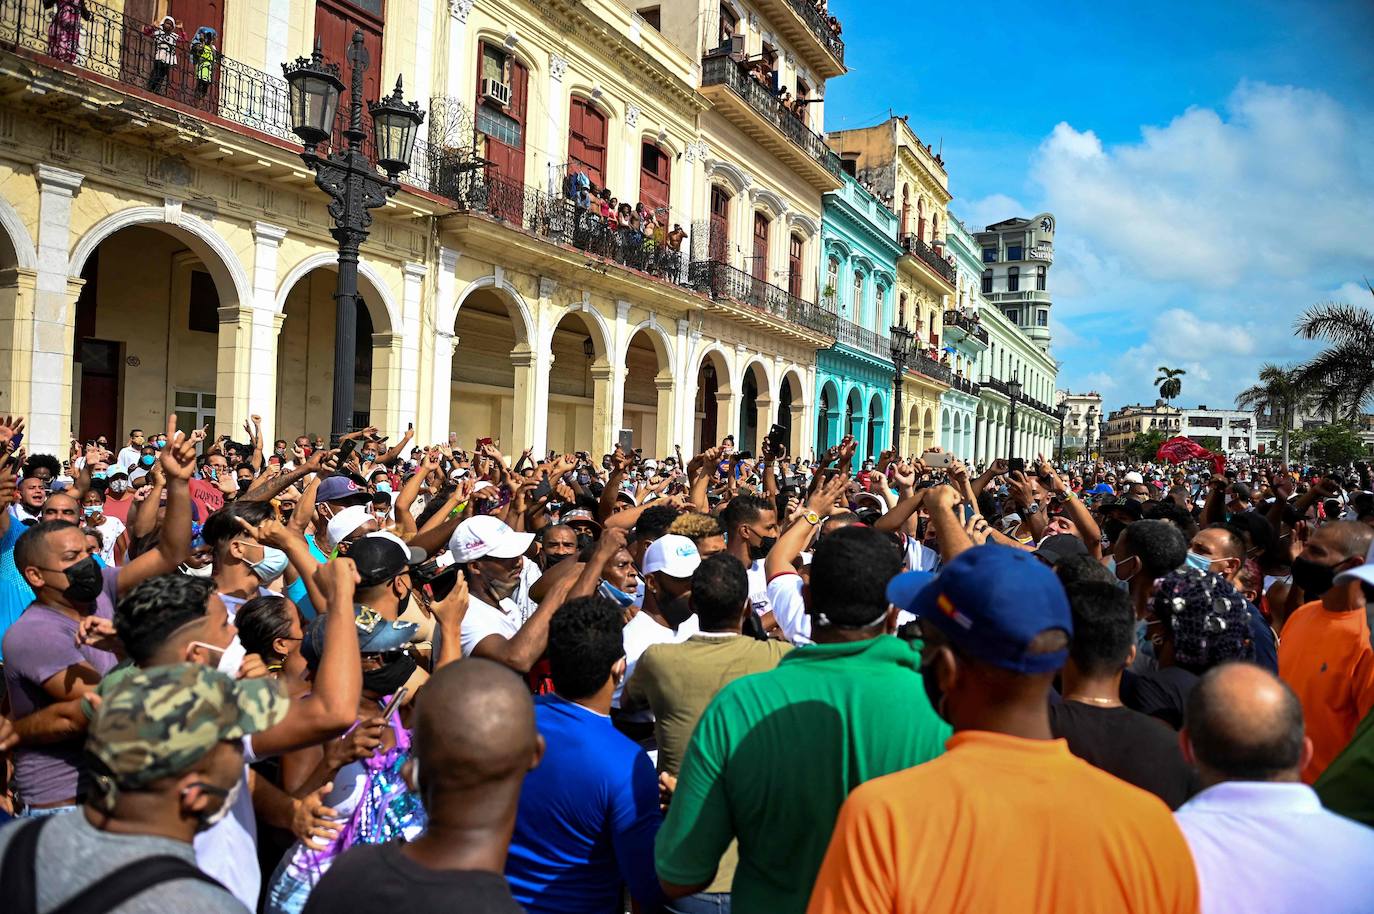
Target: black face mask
point(386, 679)
point(762, 549)
point(84, 581)
point(932, 688)
point(1314, 578)
point(402, 603)
point(1113, 528)
point(584, 540)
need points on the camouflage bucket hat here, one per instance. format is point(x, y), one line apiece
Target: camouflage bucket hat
point(158, 722)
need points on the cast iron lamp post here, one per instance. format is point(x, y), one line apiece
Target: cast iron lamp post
point(901, 351)
point(1063, 411)
point(352, 183)
point(1014, 394)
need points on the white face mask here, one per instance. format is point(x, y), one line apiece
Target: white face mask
point(230, 658)
point(205, 571)
point(219, 815)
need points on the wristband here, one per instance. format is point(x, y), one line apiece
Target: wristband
point(458, 509)
point(1069, 493)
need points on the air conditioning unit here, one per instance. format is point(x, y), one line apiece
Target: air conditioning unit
point(496, 91)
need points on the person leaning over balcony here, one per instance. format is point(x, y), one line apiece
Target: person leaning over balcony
point(64, 32)
point(165, 37)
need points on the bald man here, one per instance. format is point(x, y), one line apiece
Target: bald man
point(1324, 649)
point(1260, 838)
point(474, 742)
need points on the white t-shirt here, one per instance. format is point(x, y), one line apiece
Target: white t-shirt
point(483, 619)
point(642, 631)
point(128, 457)
point(920, 557)
point(758, 588)
point(228, 850)
point(785, 594)
point(110, 532)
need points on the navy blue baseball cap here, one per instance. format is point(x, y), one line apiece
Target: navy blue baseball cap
point(991, 602)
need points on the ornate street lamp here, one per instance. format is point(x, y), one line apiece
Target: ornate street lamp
point(1014, 394)
point(901, 339)
point(351, 181)
point(1090, 423)
point(1062, 410)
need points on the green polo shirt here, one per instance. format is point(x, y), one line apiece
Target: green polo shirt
point(776, 753)
point(1347, 784)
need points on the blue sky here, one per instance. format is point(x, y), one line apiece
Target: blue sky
point(1211, 165)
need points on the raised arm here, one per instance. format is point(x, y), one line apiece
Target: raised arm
point(178, 462)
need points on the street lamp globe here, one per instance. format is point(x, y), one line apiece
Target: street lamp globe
point(395, 124)
point(1062, 411)
point(901, 342)
point(1014, 387)
point(314, 89)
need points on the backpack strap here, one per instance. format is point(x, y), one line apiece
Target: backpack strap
point(17, 872)
point(124, 883)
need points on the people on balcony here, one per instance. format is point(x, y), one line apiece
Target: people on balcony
point(203, 56)
point(166, 37)
point(637, 236)
point(64, 32)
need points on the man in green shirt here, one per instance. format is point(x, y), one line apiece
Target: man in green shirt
point(776, 753)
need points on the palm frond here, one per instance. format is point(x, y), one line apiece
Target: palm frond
point(1337, 322)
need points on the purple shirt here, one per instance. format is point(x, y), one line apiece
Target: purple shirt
point(40, 644)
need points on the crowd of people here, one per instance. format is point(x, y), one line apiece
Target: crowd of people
point(638, 235)
point(303, 677)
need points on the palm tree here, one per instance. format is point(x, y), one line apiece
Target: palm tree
point(1280, 391)
point(1342, 375)
point(1168, 382)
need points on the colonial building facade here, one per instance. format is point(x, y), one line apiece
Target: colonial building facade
point(163, 247)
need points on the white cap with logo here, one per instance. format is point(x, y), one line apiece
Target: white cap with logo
point(484, 537)
point(675, 556)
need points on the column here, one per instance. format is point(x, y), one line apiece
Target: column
point(620, 341)
point(440, 388)
point(456, 57)
point(727, 416)
point(604, 426)
point(386, 409)
point(556, 107)
point(408, 379)
point(663, 426)
point(799, 445)
point(265, 328)
point(684, 412)
point(16, 337)
point(763, 418)
point(531, 409)
point(54, 315)
point(232, 362)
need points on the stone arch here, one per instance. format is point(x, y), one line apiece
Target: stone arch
point(597, 328)
point(800, 222)
point(25, 255)
point(223, 264)
point(711, 395)
point(768, 386)
point(728, 176)
point(756, 416)
point(662, 343)
point(509, 296)
point(370, 283)
point(769, 202)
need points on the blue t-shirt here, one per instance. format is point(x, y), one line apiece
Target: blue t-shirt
point(296, 591)
point(15, 592)
point(587, 818)
point(1266, 650)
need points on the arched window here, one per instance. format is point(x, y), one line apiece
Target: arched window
point(906, 209)
point(934, 227)
point(729, 24)
point(901, 310)
point(1014, 279)
point(987, 282)
point(880, 308)
point(759, 263)
point(794, 265)
point(1040, 278)
point(587, 140)
point(858, 309)
point(921, 219)
point(832, 282)
point(655, 178)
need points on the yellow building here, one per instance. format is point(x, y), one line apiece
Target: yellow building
point(163, 247)
point(1124, 424)
point(910, 178)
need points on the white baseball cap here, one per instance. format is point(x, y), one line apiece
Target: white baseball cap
point(342, 525)
point(485, 537)
point(1363, 572)
point(1132, 477)
point(675, 556)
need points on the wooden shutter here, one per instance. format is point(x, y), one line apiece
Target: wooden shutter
point(759, 264)
point(794, 266)
point(655, 178)
point(587, 141)
point(720, 224)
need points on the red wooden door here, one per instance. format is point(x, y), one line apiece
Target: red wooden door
point(505, 150)
point(759, 265)
point(587, 141)
point(720, 225)
point(99, 388)
point(193, 16)
point(655, 178)
point(794, 266)
point(335, 23)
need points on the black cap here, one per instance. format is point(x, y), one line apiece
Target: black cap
point(1054, 549)
point(379, 557)
point(1130, 505)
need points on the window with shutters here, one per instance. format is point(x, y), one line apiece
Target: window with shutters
point(794, 265)
point(987, 282)
point(587, 140)
point(1040, 278)
point(760, 261)
point(503, 124)
point(1014, 279)
point(335, 23)
point(720, 223)
point(655, 178)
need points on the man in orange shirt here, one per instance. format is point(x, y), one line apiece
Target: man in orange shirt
point(1007, 819)
point(1324, 651)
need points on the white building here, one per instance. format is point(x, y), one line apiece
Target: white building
point(1235, 429)
point(1085, 412)
point(1016, 255)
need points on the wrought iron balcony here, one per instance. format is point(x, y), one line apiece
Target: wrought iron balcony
point(723, 70)
point(723, 281)
point(559, 220)
point(964, 384)
point(924, 252)
point(998, 385)
point(819, 24)
point(958, 320)
point(863, 339)
point(119, 51)
point(924, 364)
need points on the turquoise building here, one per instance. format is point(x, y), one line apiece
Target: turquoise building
point(854, 378)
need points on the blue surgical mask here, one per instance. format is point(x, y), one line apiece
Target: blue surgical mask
point(99, 561)
point(147, 460)
point(1200, 562)
point(271, 566)
point(97, 474)
point(1111, 566)
point(90, 510)
point(384, 486)
point(622, 599)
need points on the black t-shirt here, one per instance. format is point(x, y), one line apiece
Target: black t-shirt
point(1161, 693)
point(1135, 747)
point(380, 878)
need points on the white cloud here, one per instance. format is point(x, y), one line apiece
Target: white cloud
point(979, 214)
point(1199, 245)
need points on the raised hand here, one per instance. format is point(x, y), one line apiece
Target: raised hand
point(451, 609)
point(178, 458)
point(10, 428)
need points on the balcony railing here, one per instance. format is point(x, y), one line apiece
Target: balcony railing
point(964, 384)
point(819, 24)
point(722, 70)
point(998, 385)
point(123, 50)
point(967, 323)
point(558, 219)
point(924, 364)
point(918, 248)
point(721, 280)
point(863, 339)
